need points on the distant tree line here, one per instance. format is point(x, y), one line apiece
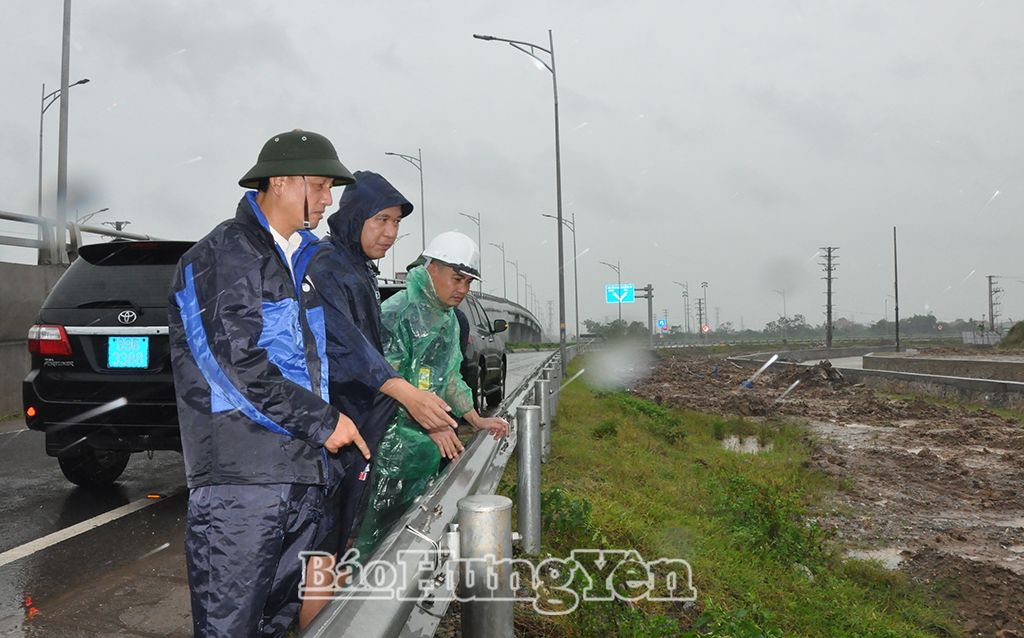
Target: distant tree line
point(796, 327)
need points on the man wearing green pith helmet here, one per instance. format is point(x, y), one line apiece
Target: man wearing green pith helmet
point(247, 347)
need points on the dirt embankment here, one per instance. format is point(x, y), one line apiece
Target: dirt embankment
point(931, 488)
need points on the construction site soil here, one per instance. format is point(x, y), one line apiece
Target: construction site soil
point(927, 488)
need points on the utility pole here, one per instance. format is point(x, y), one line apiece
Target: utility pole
point(700, 317)
point(993, 290)
point(686, 309)
point(707, 319)
point(648, 293)
point(896, 287)
point(829, 265)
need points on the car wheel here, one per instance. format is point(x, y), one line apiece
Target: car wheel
point(495, 397)
point(88, 467)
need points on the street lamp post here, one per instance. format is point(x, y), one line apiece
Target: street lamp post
point(686, 302)
point(62, 138)
point(417, 162)
point(571, 225)
point(530, 50)
point(52, 96)
point(618, 271)
point(45, 102)
point(394, 268)
point(479, 238)
point(516, 264)
point(526, 286)
point(785, 316)
point(504, 280)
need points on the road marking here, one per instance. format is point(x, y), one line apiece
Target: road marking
point(15, 431)
point(59, 536)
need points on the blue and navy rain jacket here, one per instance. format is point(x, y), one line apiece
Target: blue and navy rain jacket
point(347, 282)
point(248, 349)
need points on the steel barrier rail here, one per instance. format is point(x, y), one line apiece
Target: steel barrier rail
point(423, 529)
point(48, 244)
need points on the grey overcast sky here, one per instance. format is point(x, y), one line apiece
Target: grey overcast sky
point(701, 141)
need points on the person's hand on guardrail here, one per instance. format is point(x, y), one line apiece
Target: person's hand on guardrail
point(426, 408)
point(346, 433)
point(497, 426)
point(448, 442)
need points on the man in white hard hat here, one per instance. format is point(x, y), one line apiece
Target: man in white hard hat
point(421, 341)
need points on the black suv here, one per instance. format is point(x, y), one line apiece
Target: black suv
point(484, 365)
point(101, 385)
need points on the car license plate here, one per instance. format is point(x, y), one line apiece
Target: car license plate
point(127, 352)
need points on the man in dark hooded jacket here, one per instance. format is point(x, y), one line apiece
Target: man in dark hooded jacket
point(362, 383)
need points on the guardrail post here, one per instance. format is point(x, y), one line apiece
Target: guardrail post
point(542, 397)
point(528, 446)
point(485, 542)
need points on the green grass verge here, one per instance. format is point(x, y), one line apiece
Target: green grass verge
point(629, 474)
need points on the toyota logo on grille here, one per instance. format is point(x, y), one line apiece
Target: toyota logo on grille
point(127, 316)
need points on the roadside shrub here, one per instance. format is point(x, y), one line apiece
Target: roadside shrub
point(605, 429)
point(765, 518)
point(741, 623)
point(657, 419)
point(569, 518)
point(1014, 339)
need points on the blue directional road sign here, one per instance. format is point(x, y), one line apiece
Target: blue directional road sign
point(619, 294)
point(662, 324)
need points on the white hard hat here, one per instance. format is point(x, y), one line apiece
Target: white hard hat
point(456, 250)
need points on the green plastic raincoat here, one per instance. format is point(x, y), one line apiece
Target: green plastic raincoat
point(421, 341)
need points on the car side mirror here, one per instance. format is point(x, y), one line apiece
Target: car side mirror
point(500, 325)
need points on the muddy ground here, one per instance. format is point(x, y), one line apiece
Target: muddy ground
point(932, 490)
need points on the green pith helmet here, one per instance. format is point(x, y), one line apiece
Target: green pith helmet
point(297, 152)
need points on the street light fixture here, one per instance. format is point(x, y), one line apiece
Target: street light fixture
point(504, 280)
point(479, 238)
point(418, 163)
point(571, 225)
point(82, 220)
point(531, 49)
point(617, 267)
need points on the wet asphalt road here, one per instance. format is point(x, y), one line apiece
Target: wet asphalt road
point(123, 577)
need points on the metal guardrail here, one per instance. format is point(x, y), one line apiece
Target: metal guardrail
point(416, 611)
point(48, 244)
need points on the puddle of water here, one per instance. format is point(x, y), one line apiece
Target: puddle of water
point(890, 557)
point(746, 445)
